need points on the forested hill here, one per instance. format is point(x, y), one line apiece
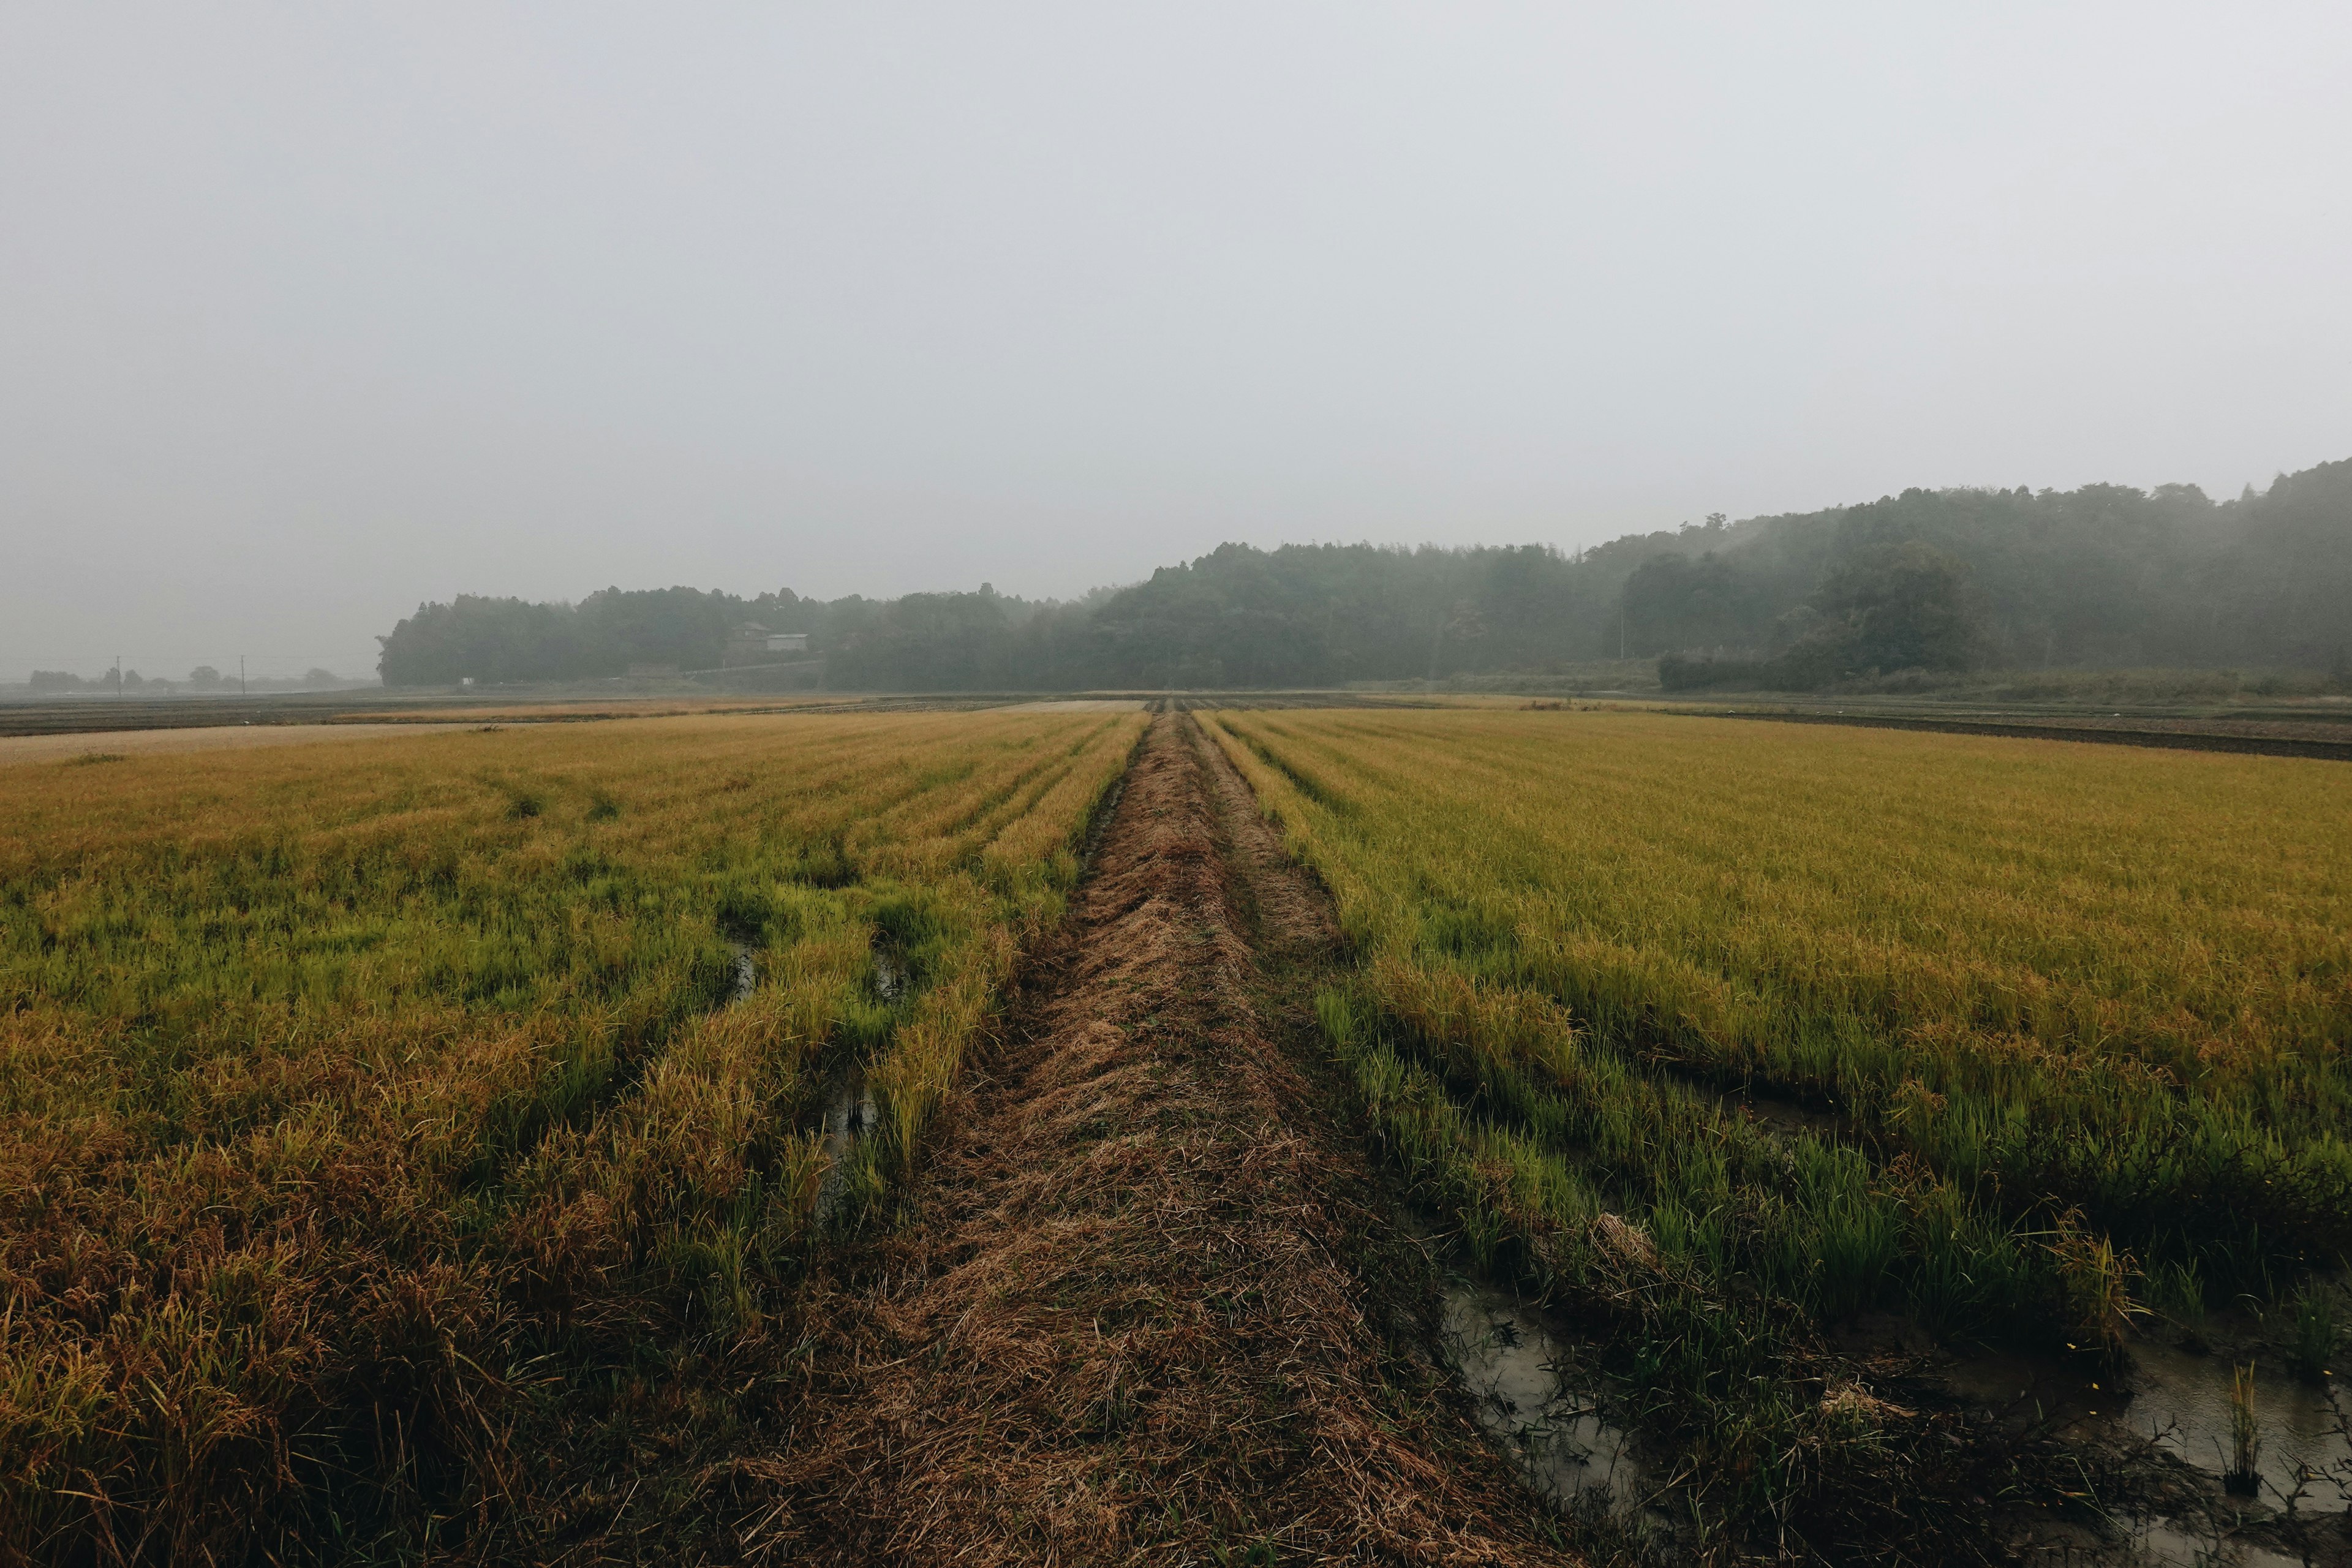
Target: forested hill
point(2104, 575)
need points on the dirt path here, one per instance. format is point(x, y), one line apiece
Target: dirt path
point(1142, 1312)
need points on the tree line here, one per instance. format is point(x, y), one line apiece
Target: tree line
point(1931, 580)
point(204, 680)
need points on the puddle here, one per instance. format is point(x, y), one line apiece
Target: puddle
point(894, 978)
point(849, 1116)
point(1781, 1116)
point(2182, 1401)
point(1785, 1118)
point(747, 973)
point(2180, 1404)
point(2036, 1390)
point(1522, 1379)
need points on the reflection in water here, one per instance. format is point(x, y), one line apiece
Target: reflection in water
point(891, 976)
point(850, 1115)
point(2181, 1403)
point(1513, 1366)
point(848, 1118)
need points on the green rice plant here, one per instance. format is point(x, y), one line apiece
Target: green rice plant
point(2177, 1290)
point(2243, 1476)
point(2317, 1338)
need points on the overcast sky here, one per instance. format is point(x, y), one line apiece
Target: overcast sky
point(308, 313)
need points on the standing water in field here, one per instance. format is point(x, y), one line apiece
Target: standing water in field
point(893, 976)
point(1514, 1368)
point(2183, 1403)
point(850, 1114)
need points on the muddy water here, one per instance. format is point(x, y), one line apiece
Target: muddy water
point(1525, 1384)
point(2182, 1401)
point(893, 976)
point(2168, 1546)
point(849, 1116)
point(1781, 1116)
point(849, 1113)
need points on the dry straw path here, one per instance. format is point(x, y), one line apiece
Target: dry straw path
point(1142, 1312)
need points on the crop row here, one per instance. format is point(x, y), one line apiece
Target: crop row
point(2058, 1015)
point(370, 1113)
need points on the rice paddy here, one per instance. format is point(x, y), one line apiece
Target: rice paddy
point(431, 1146)
point(383, 1126)
point(1731, 1034)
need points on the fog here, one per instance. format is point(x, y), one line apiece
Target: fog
point(309, 313)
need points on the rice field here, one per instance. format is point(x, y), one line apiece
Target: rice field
point(430, 1144)
point(1731, 1033)
point(383, 1126)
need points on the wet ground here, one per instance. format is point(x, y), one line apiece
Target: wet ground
point(1543, 1402)
point(1137, 1314)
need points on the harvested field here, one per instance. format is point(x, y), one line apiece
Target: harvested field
point(1080, 705)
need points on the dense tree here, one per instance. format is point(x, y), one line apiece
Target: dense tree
point(1932, 580)
point(1892, 607)
point(1673, 603)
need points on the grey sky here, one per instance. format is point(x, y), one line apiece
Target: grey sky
point(308, 313)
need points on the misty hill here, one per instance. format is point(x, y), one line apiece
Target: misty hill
point(1936, 580)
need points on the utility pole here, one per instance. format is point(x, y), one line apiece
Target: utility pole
point(240, 675)
point(118, 677)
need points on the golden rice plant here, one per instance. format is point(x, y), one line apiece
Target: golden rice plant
point(1726, 1032)
point(359, 1103)
point(2121, 978)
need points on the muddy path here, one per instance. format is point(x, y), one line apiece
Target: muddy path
point(1146, 1306)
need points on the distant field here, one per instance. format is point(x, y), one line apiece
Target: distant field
point(427, 1074)
point(2028, 1034)
point(125, 743)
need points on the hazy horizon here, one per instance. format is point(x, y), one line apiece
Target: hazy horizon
point(310, 316)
